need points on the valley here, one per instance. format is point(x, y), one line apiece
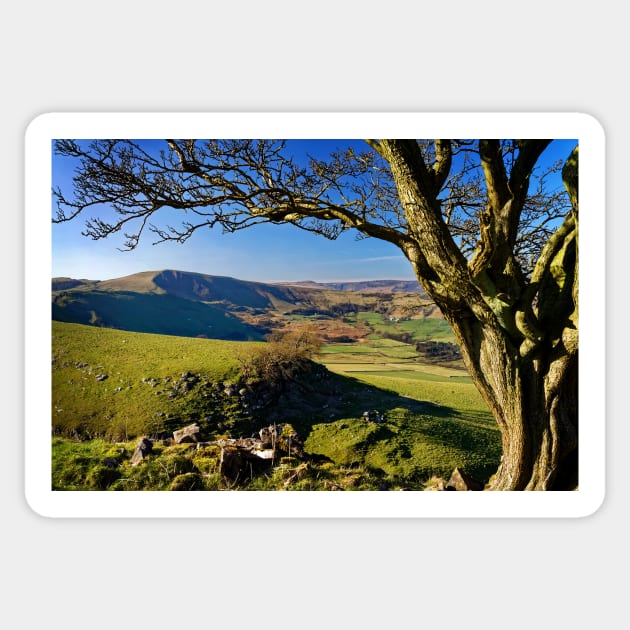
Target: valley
point(216, 307)
point(384, 403)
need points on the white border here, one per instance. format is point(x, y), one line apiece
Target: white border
point(38, 256)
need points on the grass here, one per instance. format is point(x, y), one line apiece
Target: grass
point(348, 348)
point(410, 445)
point(142, 391)
point(417, 329)
point(432, 417)
point(99, 465)
point(412, 442)
point(84, 465)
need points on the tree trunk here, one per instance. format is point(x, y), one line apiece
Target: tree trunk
point(535, 404)
point(518, 335)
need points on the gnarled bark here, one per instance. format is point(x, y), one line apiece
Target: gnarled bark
point(518, 337)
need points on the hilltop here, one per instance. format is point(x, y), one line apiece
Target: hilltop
point(366, 286)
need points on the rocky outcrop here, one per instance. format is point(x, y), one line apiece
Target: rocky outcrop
point(143, 448)
point(459, 480)
point(242, 456)
point(191, 433)
point(237, 458)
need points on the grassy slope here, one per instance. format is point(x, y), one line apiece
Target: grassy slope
point(454, 428)
point(145, 312)
point(141, 370)
point(433, 418)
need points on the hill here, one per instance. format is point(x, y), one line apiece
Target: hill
point(202, 287)
point(193, 304)
point(388, 426)
point(170, 302)
point(152, 313)
point(61, 284)
point(365, 286)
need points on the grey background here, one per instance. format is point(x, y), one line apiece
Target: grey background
point(329, 56)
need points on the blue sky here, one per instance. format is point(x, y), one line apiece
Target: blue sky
point(266, 253)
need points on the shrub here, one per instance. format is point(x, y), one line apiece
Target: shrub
point(283, 357)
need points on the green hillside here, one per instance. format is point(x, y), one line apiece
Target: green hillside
point(110, 387)
point(199, 287)
point(193, 304)
point(146, 312)
point(119, 384)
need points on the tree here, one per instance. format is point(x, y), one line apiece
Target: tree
point(499, 260)
point(285, 356)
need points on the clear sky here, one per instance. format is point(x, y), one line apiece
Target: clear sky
point(266, 253)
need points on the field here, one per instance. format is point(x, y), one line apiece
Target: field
point(110, 387)
point(413, 329)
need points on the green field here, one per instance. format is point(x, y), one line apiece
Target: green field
point(418, 329)
point(431, 418)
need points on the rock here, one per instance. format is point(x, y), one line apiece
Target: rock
point(267, 453)
point(111, 462)
point(101, 377)
point(373, 416)
point(231, 390)
point(459, 480)
point(436, 485)
point(187, 434)
point(143, 448)
point(231, 463)
point(268, 436)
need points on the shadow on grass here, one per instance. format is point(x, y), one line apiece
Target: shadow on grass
point(402, 436)
point(149, 313)
point(331, 397)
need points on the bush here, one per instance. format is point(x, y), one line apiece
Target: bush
point(283, 357)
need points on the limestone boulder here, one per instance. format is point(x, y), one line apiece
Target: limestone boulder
point(188, 434)
point(143, 448)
